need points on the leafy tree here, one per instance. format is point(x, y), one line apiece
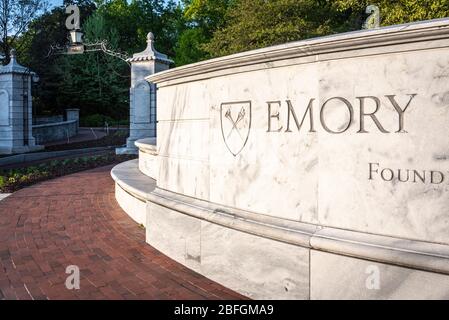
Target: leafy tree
point(94, 81)
point(43, 32)
point(74, 80)
point(98, 83)
point(82, 4)
point(202, 18)
point(173, 25)
point(251, 24)
point(35, 44)
point(189, 32)
point(208, 15)
point(135, 19)
point(189, 47)
point(15, 16)
point(393, 12)
point(258, 23)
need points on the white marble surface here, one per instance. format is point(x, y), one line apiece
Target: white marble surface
point(129, 177)
point(320, 177)
point(332, 182)
point(260, 257)
point(274, 173)
point(148, 164)
point(4, 195)
point(185, 176)
point(184, 139)
point(183, 241)
point(132, 189)
point(409, 210)
point(183, 102)
point(396, 38)
point(235, 259)
point(245, 252)
point(148, 160)
point(134, 207)
point(256, 267)
point(407, 253)
point(338, 277)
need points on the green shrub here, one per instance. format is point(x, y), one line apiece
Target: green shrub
point(66, 162)
point(24, 178)
point(55, 163)
point(3, 181)
point(31, 170)
point(15, 179)
point(44, 174)
point(121, 133)
point(123, 122)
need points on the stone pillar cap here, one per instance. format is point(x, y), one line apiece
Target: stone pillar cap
point(150, 53)
point(14, 67)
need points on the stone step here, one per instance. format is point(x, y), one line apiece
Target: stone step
point(132, 188)
point(148, 156)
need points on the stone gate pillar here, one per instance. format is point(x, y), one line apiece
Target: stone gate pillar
point(16, 134)
point(143, 94)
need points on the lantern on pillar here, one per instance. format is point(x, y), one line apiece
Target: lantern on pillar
point(76, 45)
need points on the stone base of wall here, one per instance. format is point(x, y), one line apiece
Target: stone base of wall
point(252, 265)
point(264, 257)
point(132, 189)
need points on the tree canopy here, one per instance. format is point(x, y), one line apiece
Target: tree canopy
point(15, 17)
point(95, 81)
point(188, 31)
point(253, 24)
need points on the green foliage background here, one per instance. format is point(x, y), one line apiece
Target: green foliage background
point(95, 81)
point(254, 24)
point(189, 31)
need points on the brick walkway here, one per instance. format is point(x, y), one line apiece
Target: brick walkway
point(75, 220)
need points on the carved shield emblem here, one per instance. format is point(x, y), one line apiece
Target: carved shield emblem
point(235, 124)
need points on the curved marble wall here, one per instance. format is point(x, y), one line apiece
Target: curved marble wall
point(346, 169)
point(346, 134)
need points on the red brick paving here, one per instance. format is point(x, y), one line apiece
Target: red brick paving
point(75, 220)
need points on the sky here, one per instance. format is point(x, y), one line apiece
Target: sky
point(54, 3)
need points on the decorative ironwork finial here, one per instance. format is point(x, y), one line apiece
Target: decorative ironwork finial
point(373, 20)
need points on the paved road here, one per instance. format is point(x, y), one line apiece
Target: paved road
point(75, 220)
point(84, 134)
